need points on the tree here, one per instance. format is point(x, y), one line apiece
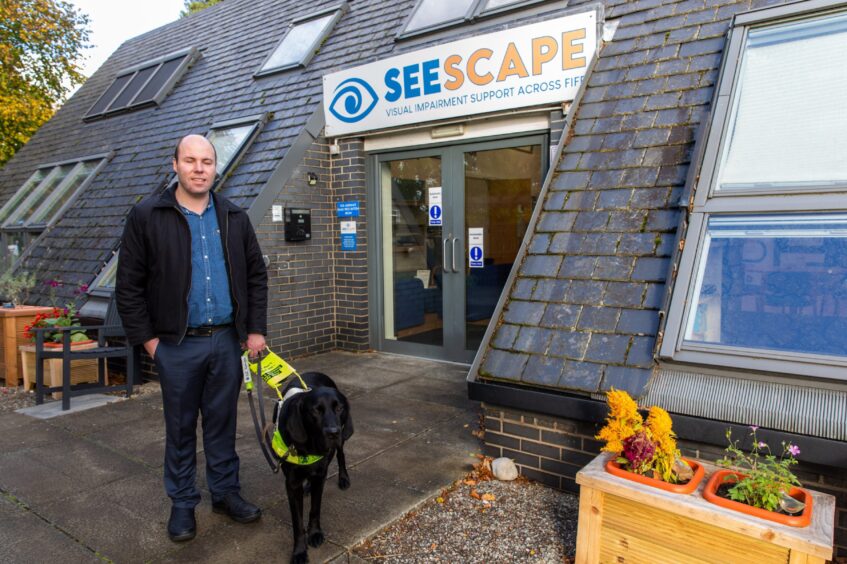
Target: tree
point(192, 6)
point(41, 44)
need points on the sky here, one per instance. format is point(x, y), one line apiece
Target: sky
point(114, 21)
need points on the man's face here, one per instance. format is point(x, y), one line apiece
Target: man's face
point(195, 167)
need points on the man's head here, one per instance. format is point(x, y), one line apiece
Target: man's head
point(194, 164)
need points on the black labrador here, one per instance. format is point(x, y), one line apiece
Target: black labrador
point(316, 422)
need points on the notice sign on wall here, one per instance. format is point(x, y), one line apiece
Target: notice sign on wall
point(536, 64)
point(348, 235)
point(436, 212)
point(476, 251)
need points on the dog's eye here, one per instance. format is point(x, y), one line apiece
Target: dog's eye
point(320, 408)
point(338, 408)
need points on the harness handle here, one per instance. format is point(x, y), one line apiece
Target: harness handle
point(263, 444)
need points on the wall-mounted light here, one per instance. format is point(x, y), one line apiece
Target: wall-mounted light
point(312, 178)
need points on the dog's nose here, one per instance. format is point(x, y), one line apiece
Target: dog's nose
point(332, 431)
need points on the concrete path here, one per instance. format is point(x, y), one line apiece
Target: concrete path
point(87, 487)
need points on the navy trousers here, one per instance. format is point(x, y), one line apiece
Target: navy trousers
point(201, 375)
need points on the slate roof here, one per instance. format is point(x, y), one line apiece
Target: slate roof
point(234, 37)
point(583, 312)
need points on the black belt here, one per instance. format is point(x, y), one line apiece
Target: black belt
point(205, 330)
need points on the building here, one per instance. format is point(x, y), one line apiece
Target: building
point(446, 197)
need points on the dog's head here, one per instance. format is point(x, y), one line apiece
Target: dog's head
point(319, 418)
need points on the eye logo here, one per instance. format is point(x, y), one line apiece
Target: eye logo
point(354, 99)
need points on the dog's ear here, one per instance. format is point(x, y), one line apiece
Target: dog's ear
point(346, 419)
point(292, 419)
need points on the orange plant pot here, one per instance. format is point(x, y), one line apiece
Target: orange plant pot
point(615, 469)
point(54, 345)
point(710, 492)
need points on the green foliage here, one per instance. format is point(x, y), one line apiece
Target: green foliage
point(16, 287)
point(762, 476)
point(192, 6)
point(54, 321)
point(41, 44)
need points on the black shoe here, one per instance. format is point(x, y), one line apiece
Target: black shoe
point(181, 525)
point(239, 510)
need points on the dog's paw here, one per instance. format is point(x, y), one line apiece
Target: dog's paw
point(316, 538)
point(343, 481)
point(299, 557)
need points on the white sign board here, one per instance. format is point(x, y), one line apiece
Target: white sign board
point(476, 249)
point(536, 64)
point(436, 212)
point(348, 227)
point(276, 213)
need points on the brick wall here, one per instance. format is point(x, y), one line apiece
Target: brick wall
point(351, 267)
point(318, 294)
point(552, 450)
point(301, 304)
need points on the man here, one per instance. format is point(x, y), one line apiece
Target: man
point(192, 288)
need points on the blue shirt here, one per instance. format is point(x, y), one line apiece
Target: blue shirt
point(209, 301)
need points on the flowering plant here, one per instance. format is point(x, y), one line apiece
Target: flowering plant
point(59, 317)
point(763, 479)
point(644, 447)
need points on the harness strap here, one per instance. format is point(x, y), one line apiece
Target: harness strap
point(264, 444)
point(262, 437)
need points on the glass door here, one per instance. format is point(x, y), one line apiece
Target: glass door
point(412, 300)
point(501, 186)
point(450, 225)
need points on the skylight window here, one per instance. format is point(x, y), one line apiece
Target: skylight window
point(231, 139)
point(144, 85)
point(304, 37)
point(36, 204)
point(496, 5)
point(430, 15)
point(435, 13)
point(42, 199)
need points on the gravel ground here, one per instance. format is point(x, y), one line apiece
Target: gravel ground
point(15, 398)
point(480, 519)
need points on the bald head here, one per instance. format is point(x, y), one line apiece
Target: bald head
point(194, 164)
point(193, 138)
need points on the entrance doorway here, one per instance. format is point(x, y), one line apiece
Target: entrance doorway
point(451, 221)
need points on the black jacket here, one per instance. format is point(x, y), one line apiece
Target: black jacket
point(154, 270)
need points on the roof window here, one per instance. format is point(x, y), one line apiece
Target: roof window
point(302, 40)
point(144, 85)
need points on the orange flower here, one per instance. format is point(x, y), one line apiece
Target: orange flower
point(623, 421)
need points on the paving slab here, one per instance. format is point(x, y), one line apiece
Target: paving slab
point(349, 516)
point(267, 540)
point(109, 416)
point(25, 537)
point(19, 432)
point(89, 483)
point(78, 404)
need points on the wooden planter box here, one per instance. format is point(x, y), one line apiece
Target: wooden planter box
point(12, 321)
point(622, 522)
point(82, 371)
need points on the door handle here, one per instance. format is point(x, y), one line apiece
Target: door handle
point(444, 255)
point(453, 258)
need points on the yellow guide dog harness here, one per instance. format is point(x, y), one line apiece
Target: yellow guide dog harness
point(274, 372)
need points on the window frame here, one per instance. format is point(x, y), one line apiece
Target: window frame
point(258, 122)
point(190, 54)
point(339, 10)
point(476, 11)
point(56, 193)
point(704, 201)
point(30, 232)
point(96, 288)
